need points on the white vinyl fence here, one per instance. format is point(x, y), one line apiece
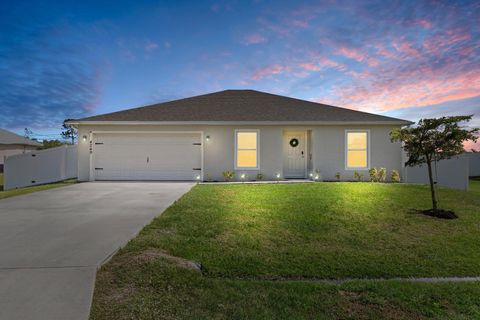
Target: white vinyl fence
point(474, 163)
point(39, 167)
point(452, 173)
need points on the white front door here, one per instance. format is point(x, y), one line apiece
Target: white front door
point(294, 154)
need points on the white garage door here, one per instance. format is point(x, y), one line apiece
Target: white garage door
point(146, 156)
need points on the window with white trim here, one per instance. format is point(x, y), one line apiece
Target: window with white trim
point(246, 149)
point(357, 150)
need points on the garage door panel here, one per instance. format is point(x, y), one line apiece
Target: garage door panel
point(159, 156)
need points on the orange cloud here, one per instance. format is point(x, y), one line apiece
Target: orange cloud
point(309, 66)
point(424, 23)
point(357, 55)
point(254, 38)
point(351, 53)
point(268, 71)
point(406, 49)
point(469, 145)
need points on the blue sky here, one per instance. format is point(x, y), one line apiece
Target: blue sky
point(71, 59)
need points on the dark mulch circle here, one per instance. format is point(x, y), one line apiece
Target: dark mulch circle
point(440, 213)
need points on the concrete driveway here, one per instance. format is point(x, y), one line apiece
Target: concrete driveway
point(53, 241)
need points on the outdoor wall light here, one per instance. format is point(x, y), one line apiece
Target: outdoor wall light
point(207, 138)
point(84, 138)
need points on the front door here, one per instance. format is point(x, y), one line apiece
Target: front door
point(294, 151)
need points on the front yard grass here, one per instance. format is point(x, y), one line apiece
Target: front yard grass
point(474, 184)
point(247, 235)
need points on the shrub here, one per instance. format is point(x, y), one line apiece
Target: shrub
point(373, 172)
point(317, 175)
point(395, 176)
point(338, 176)
point(228, 175)
point(260, 176)
point(358, 176)
point(381, 175)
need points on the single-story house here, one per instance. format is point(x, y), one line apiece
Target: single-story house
point(245, 131)
point(11, 143)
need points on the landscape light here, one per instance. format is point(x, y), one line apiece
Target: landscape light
point(197, 177)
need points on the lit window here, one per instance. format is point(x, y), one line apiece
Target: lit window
point(357, 149)
point(246, 149)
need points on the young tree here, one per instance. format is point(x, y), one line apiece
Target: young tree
point(69, 132)
point(27, 133)
point(433, 140)
point(47, 144)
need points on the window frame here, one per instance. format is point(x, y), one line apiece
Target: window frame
point(257, 131)
point(347, 131)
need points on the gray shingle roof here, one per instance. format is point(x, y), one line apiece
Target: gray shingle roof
point(7, 137)
point(244, 106)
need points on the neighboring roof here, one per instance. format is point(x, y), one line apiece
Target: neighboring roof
point(240, 106)
point(7, 137)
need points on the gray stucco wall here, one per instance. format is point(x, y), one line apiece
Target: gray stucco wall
point(327, 148)
point(329, 151)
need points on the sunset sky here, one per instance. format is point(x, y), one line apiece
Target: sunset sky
point(76, 58)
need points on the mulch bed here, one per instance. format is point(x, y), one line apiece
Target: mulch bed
point(440, 213)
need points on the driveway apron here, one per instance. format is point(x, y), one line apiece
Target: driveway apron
point(53, 241)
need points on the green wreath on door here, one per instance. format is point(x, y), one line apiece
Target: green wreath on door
point(294, 142)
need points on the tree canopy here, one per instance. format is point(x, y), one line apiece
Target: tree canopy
point(434, 139)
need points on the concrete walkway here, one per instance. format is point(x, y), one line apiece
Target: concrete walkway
point(53, 241)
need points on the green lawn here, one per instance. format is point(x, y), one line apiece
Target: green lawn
point(245, 235)
point(20, 191)
point(475, 184)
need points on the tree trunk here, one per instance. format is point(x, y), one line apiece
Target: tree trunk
point(432, 184)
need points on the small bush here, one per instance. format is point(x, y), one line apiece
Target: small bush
point(260, 176)
point(381, 175)
point(378, 174)
point(358, 176)
point(228, 175)
point(317, 175)
point(395, 176)
point(373, 173)
point(338, 176)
